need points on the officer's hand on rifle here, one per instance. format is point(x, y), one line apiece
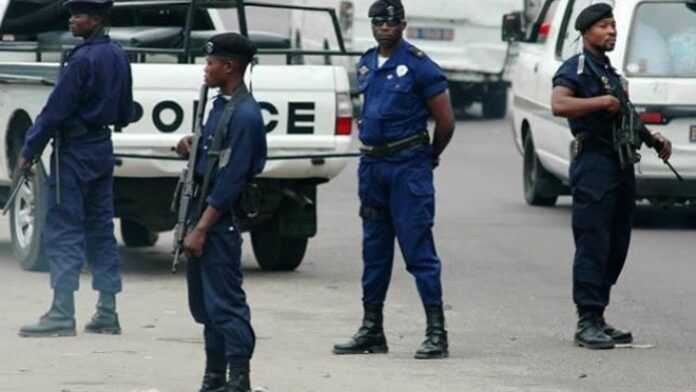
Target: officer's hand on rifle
point(194, 242)
point(24, 163)
point(184, 146)
point(611, 104)
point(663, 146)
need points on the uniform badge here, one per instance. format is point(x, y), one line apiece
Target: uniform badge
point(401, 70)
point(581, 64)
point(209, 47)
point(363, 70)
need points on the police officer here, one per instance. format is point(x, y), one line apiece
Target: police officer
point(402, 88)
point(216, 297)
point(603, 192)
point(93, 91)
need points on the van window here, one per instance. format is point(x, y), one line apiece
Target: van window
point(541, 14)
point(662, 40)
point(570, 40)
point(548, 18)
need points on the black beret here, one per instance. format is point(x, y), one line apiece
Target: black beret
point(230, 44)
point(387, 8)
point(88, 6)
point(592, 15)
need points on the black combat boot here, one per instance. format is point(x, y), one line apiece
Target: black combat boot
point(58, 321)
point(435, 344)
point(370, 337)
point(213, 381)
point(105, 320)
point(617, 335)
point(590, 333)
point(238, 380)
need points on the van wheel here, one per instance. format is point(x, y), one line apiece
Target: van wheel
point(27, 221)
point(137, 235)
point(495, 102)
point(540, 186)
point(275, 252)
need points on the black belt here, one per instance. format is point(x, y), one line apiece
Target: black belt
point(584, 142)
point(391, 148)
point(81, 131)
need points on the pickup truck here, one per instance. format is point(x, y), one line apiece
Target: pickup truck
point(461, 36)
point(307, 110)
point(655, 51)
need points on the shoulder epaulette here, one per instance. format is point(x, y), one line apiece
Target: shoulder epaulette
point(581, 64)
point(417, 52)
point(369, 51)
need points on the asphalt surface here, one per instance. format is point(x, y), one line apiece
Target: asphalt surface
point(507, 288)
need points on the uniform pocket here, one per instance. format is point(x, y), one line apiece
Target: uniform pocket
point(420, 182)
point(363, 182)
point(399, 98)
point(591, 177)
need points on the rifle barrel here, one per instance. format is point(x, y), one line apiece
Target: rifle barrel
point(676, 173)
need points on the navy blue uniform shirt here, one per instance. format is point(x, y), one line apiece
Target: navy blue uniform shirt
point(94, 90)
point(396, 93)
point(243, 151)
point(578, 77)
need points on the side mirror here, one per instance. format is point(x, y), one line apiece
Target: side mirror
point(512, 27)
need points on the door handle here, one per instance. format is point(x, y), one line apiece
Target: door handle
point(536, 68)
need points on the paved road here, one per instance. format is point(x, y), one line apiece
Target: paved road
point(507, 287)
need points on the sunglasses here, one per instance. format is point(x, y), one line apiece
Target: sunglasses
point(390, 21)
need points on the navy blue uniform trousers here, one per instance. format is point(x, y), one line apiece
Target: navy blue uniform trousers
point(216, 297)
point(81, 227)
point(603, 205)
point(398, 200)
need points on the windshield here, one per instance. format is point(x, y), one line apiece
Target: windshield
point(662, 41)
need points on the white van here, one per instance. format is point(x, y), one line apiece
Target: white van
point(462, 36)
point(655, 51)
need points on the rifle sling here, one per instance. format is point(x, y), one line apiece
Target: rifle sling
point(214, 151)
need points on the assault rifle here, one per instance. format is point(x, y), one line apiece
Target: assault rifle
point(628, 130)
point(23, 178)
point(186, 187)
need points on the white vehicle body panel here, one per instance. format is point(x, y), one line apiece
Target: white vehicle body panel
point(278, 86)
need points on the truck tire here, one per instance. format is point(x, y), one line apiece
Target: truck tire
point(27, 221)
point(275, 252)
point(137, 235)
point(495, 102)
point(540, 186)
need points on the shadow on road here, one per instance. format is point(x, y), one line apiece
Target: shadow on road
point(152, 262)
point(6, 249)
point(654, 218)
point(158, 262)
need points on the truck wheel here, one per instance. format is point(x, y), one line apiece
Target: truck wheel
point(275, 252)
point(495, 102)
point(539, 185)
point(137, 235)
point(27, 220)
